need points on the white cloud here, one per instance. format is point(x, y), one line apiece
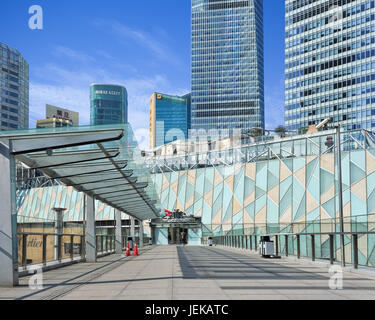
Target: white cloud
point(141, 38)
point(73, 54)
point(64, 96)
point(143, 138)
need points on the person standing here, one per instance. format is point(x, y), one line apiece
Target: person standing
point(183, 237)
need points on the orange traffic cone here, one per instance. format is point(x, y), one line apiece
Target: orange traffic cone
point(127, 250)
point(135, 249)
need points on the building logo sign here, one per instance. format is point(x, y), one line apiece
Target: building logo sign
point(107, 92)
point(159, 96)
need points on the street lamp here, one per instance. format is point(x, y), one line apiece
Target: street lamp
point(341, 207)
point(59, 225)
point(339, 178)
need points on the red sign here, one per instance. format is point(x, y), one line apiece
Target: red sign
point(167, 212)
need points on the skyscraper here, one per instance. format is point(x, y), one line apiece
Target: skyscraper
point(109, 104)
point(330, 63)
point(227, 68)
point(169, 118)
point(14, 86)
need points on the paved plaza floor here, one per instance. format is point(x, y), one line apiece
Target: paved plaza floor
point(193, 273)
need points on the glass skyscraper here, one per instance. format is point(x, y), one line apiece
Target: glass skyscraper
point(330, 63)
point(227, 67)
point(14, 89)
point(170, 118)
point(109, 104)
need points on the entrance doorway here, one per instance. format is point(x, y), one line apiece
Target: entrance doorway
point(177, 235)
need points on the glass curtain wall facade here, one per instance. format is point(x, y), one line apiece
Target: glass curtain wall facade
point(14, 89)
point(330, 63)
point(109, 104)
point(170, 118)
point(227, 64)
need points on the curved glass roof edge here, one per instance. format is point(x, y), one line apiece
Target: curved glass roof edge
point(267, 148)
point(70, 153)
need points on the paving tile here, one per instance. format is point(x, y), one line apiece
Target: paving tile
point(197, 273)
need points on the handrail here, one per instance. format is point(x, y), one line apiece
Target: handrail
point(245, 241)
point(51, 234)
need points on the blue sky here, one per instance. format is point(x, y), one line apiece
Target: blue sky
point(143, 45)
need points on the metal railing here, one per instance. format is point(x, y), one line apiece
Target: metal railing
point(105, 244)
point(34, 247)
point(43, 248)
point(320, 245)
point(125, 239)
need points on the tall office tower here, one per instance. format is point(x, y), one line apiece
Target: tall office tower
point(227, 69)
point(330, 63)
point(170, 118)
point(14, 86)
point(109, 104)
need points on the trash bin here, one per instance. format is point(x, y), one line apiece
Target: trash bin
point(266, 246)
point(131, 243)
point(150, 241)
point(210, 241)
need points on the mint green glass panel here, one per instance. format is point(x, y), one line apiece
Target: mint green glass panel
point(371, 193)
point(209, 180)
point(181, 190)
point(238, 185)
point(261, 179)
point(273, 174)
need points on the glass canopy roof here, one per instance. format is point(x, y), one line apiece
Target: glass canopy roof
point(101, 161)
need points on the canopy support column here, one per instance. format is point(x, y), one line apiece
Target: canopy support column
point(140, 222)
point(132, 228)
point(8, 219)
point(90, 230)
point(118, 232)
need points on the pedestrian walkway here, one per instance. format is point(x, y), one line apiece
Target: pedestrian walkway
point(193, 273)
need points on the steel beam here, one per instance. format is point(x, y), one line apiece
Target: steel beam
point(42, 142)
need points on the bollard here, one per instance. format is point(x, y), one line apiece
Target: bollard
point(82, 252)
point(24, 249)
point(44, 259)
point(298, 246)
point(313, 247)
point(96, 244)
point(355, 251)
point(71, 247)
point(277, 245)
point(286, 246)
point(331, 248)
point(59, 247)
